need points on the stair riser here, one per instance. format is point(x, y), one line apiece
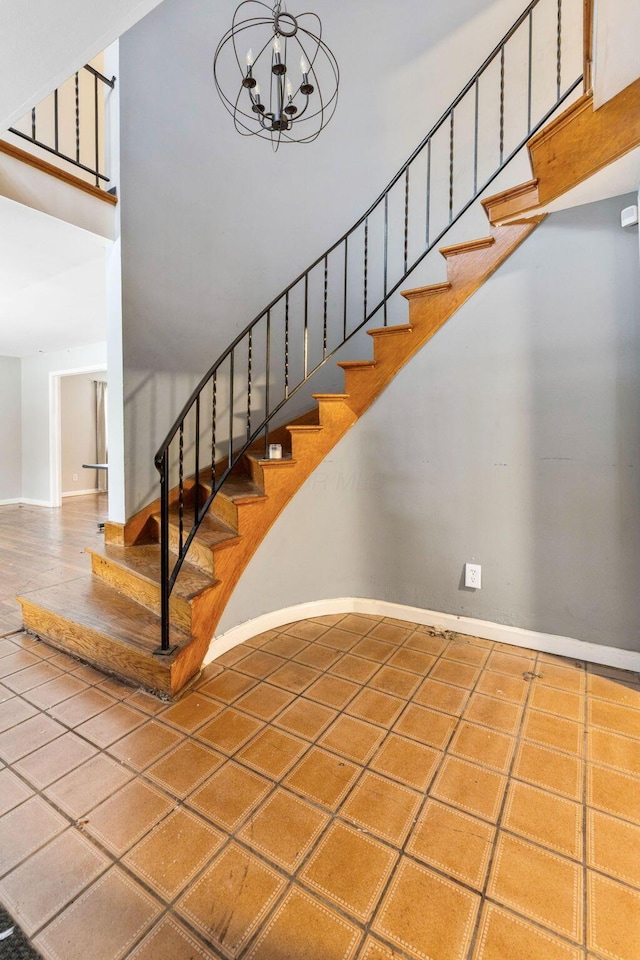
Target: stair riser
point(141, 590)
point(385, 348)
point(335, 412)
point(97, 649)
point(200, 555)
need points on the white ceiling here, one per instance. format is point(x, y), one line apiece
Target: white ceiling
point(42, 43)
point(52, 283)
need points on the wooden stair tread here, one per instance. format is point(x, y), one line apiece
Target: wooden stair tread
point(467, 246)
point(211, 531)
point(93, 604)
point(330, 396)
point(431, 290)
point(384, 331)
point(356, 364)
point(144, 561)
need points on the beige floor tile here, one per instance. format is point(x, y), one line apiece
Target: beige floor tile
point(512, 666)
point(17, 661)
point(356, 669)
point(372, 949)
point(272, 752)
point(549, 769)
point(81, 707)
point(613, 847)
point(398, 683)
point(544, 818)
point(12, 791)
point(231, 898)
point(378, 707)
point(227, 686)
point(412, 660)
point(109, 726)
point(284, 829)
point(191, 712)
point(229, 731)
point(372, 649)
point(503, 936)
point(229, 795)
point(624, 693)
point(453, 842)
point(305, 630)
point(459, 674)
point(613, 717)
point(329, 619)
point(444, 931)
point(315, 655)
point(563, 677)
point(230, 657)
point(146, 702)
point(471, 788)
point(553, 731)
point(426, 726)
point(185, 768)
point(613, 792)
point(350, 869)
point(560, 703)
point(260, 664)
point(426, 643)
point(540, 885)
point(285, 646)
point(103, 923)
point(382, 807)
point(352, 738)
point(391, 632)
point(55, 759)
point(264, 701)
point(50, 879)
point(122, 819)
point(306, 718)
point(294, 677)
point(484, 746)
point(493, 713)
point(464, 652)
point(339, 639)
point(411, 763)
point(442, 696)
point(34, 676)
point(302, 927)
point(611, 750)
point(260, 639)
point(332, 691)
point(169, 940)
point(173, 852)
point(358, 624)
point(27, 736)
point(614, 918)
point(87, 785)
point(55, 691)
point(145, 745)
point(322, 777)
point(503, 687)
point(25, 828)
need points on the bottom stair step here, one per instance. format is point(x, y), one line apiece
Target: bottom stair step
point(91, 620)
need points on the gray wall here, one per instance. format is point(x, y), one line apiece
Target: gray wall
point(78, 431)
point(213, 224)
point(512, 439)
point(10, 429)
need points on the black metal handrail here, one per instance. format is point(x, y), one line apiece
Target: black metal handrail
point(356, 276)
point(81, 151)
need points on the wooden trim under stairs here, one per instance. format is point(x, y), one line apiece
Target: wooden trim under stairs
point(49, 168)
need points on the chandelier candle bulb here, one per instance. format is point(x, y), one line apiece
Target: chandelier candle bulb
point(279, 68)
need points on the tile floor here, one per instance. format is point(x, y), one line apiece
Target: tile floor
point(344, 787)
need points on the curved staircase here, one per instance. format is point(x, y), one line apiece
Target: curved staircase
point(178, 560)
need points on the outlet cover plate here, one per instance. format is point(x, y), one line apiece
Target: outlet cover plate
point(473, 575)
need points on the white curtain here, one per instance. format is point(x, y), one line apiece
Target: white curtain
point(101, 432)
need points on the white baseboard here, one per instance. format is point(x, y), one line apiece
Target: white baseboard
point(502, 633)
point(5, 503)
point(79, 493)
point(35, 503)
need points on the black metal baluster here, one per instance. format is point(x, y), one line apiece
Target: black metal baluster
point(501, 105)
point(249, 365)
point(406, 219)
point(559, 51)
point(267, 386)
point(530, 73)
point(77, 96)
point(55, 121)
point(366, 265)
point(451, 169)
point(231, 397)
point(214, 397)
point(325, 307)
point(386, 252)
point(196, 510)
point(475, 138)
point(286, 344)
point(346, 267)
point(33, 124)
point(97, 129)
point(181, 488)
point(306, 325)
point(428, 202)
point(164, 553)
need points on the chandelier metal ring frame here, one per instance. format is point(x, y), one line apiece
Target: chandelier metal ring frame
point(296, 111)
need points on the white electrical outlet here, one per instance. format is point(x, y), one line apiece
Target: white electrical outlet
point(473, 575)
point(75, 476)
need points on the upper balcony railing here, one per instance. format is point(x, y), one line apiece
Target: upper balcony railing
point(69, 124)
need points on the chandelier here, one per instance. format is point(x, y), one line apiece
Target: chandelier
point(287, 88)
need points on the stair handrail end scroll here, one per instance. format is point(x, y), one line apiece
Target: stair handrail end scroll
point(162, 459)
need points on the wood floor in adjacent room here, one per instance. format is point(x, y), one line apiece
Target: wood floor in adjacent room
point(342, 787)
